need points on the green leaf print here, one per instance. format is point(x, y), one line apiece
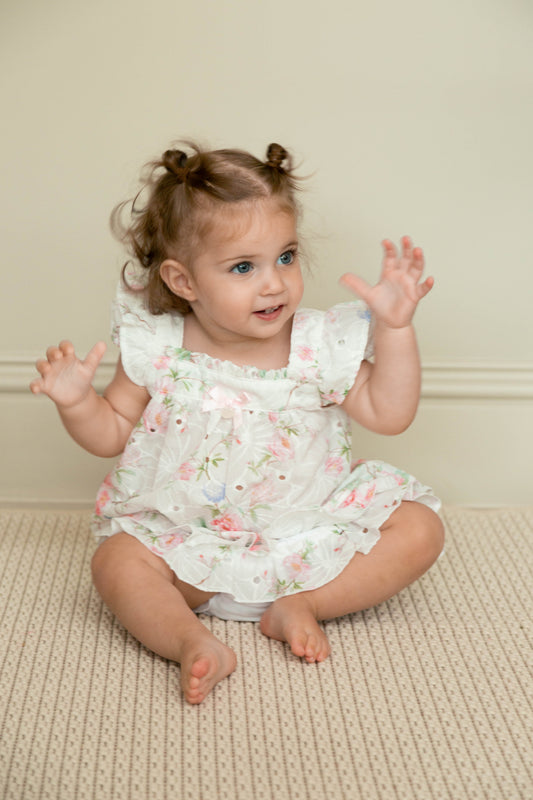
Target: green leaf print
point(121, 471)
point(283, 588)
point(254, 509)
point(290, 431)
point(308, 549)
point(256, 468)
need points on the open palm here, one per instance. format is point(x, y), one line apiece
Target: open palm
point(64, 377)
point(393, 300)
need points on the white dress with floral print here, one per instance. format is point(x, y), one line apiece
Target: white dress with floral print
point(240, 478)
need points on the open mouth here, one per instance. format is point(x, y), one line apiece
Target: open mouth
point(269, 313)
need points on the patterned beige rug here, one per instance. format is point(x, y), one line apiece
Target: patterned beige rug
point(427, 696)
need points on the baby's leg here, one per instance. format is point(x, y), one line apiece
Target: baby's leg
point(410, 542)
point(147, 598)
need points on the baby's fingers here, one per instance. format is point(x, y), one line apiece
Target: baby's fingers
point(407, 248)
point(356, 284)
point(424, 288)
point(53, 353)
point(94, 356)
point(412, 259)
point(417, 260)
point(390, 254)
point(36, 386)
point(66, 347)
point(44, 367)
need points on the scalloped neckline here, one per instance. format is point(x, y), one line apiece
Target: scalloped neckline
point(230, 366)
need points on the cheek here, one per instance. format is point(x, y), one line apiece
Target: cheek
point(234, 299)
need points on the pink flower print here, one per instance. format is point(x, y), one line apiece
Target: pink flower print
point(332, 315)
point(154, 417)
point(161, 362)
point(359, 498)
point(305, 352)
point(334, 396)
point(401, 480)
point(186, 471)
point(102, 500)
point(309, 373)
point(131, 456)
point(230, 521)
point(296, 567)
point(300, 319)
point(256, 543)
point(281, 448)
point(263, 492)
point(166, 387)
point(335, 465)
point(108, 480)
point(134, 280)
point(170, 540)
point(273, 417)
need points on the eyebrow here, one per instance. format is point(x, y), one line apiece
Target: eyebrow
point(251, 256)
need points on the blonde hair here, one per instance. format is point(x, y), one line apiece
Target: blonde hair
point(184, 193)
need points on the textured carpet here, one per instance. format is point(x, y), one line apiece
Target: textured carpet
point(426, 696)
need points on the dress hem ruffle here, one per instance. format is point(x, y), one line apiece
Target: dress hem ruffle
point(256, 577)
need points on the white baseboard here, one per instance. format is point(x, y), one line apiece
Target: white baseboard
point(479, 380)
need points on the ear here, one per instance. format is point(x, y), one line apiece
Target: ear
point(178, 279)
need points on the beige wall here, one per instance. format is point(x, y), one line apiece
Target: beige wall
point(410, 117)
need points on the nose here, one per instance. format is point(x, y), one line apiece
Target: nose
point(272, 282)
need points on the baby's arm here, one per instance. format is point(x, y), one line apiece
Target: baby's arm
point(385, 395)
point(101, 425)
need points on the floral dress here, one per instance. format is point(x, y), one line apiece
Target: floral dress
point(242, 479)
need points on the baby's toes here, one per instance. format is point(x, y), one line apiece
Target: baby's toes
point(324, 650)
point(317, 647)
point(312, 648)
point(299, 644)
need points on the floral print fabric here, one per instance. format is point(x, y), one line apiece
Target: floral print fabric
point(240, 478)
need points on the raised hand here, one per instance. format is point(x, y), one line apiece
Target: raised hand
point(64, 377)
point(393, 300)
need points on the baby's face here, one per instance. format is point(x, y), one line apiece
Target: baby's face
point(246, 279)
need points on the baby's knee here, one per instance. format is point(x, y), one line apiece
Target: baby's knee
point(101, 563)
point(110, 558)
point(427, 532)
point(121, 557)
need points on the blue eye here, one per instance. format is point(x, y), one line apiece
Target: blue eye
point(243, 268)
point(286, 258)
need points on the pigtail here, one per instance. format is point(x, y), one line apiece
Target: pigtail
point(278, 169)
point(175, 162)
point(193, 171)
point(276, 155)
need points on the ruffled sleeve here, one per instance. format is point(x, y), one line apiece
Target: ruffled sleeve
point(141, 336)
point(330, 346)
point(347, 341)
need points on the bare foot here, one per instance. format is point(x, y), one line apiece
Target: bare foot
point(291, 619)
point(204, 662)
